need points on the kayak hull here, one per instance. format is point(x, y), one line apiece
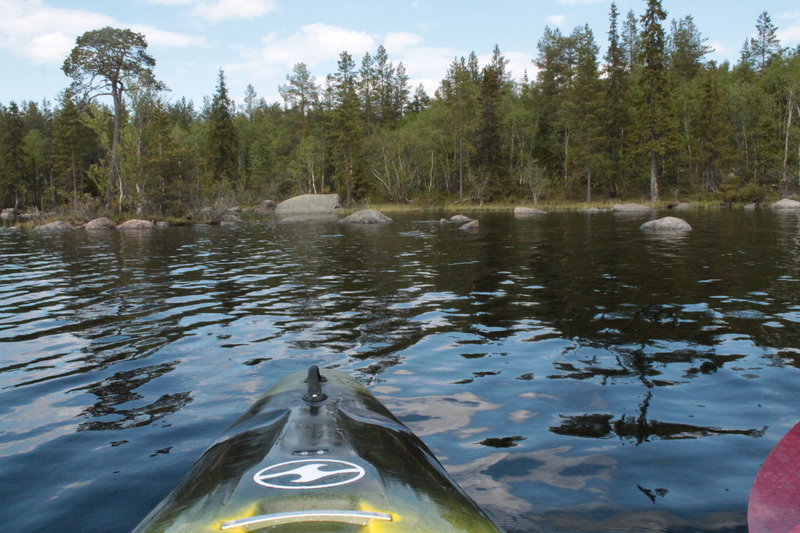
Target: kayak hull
point(317, 457)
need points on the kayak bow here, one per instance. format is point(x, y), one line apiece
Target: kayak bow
point(318, 454)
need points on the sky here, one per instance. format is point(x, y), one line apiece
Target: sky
point(258, 41)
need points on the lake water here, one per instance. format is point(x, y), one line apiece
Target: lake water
point(572, 372)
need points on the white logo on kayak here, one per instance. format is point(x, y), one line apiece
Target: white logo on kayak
point(309, 474)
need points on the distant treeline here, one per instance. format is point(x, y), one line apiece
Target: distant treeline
point(652, 118)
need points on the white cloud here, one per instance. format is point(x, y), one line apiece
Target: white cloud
point(396, 43)
point(556, 20)
point(789, 35)
point(217, 10)
point(312, 44)
point(45, 35)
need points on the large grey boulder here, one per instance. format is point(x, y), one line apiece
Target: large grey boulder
point(309, 203)
point(528, 212)
point(136, 225)
point(366, 216)
point(630, 208)
point(786, 203)
point(101, 223)
point(666, 224)
point(58, 225)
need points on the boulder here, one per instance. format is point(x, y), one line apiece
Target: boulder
point(366, 216)
point(9, 213)
point(309, 203)
point(136, 224)
point(473, 224)
point(750, 207)
point(666, 224)
point(786, 203)
point(528, 212)
point(230, 220)
point(630, 208)
point(460, 219)
point(58, 225)
point(101, 223)
point(162, 224)
point(266, 206)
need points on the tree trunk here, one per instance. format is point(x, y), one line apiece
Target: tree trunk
point(115, 142)
point(589, 186)
point(653, 176)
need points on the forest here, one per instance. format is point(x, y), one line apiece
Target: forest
point(652, 118)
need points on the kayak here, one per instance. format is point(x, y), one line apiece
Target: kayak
point(318, 453)
point(775, 498)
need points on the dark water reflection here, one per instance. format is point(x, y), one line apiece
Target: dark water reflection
point(572, 372)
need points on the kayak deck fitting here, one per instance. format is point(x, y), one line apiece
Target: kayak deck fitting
point(318, 453)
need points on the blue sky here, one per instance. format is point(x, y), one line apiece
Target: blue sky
point(257, 41)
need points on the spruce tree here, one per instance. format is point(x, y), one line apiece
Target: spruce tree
point(222, 142)
point(653, 81)
point(12, 156)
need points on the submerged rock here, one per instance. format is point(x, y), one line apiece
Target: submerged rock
point(666, 224)
point(630, 208)
point(366, 216)
point(460, 219)
point(101, 223)
point(528, 212)
point(136, 224)
point(309, 203)
point(786, 203)
point(473, 224)
point(58, 225)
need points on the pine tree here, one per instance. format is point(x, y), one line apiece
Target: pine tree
point(346, 126)
point(765, 46)
point(301, 93)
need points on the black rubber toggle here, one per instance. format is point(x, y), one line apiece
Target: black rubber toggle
point(315, 379)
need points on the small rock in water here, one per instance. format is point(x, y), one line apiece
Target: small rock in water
point(666, 224)
point(473, 224)
point(162, 224)
point(527, 212)
point(630, 208)
point(683, 206)
point(136, 224)
point(750, 207)
point(460, 219)
point(58, 225)
point(366, 216)
point(101, 223)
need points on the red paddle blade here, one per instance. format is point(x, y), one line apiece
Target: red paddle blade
point(775, 499)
